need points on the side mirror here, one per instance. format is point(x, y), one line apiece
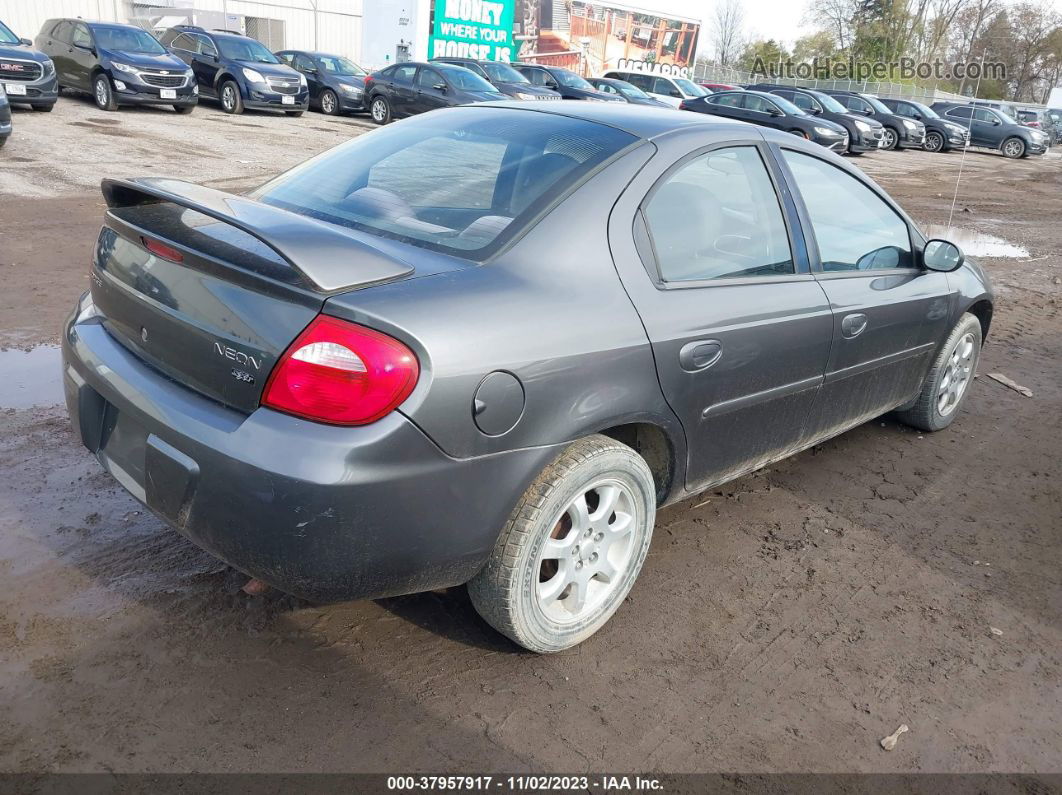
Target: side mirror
point(942, 256)
point(440, 87)
point(775, 112)
point(816, 111)
point(675, 93)
point(27, 42)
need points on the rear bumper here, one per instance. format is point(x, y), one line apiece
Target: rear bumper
point(322, 512)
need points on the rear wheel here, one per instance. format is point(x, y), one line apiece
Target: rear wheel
point(948, 380)
point(231, 101)
point(329, 102)
point(572, 549)
point(103, 93)
point(184, 109)
point(890, 138)
point(934, 142)
point(1013, 148)
point(380, 110)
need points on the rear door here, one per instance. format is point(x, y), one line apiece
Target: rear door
point(401, 94)
point(964, 116)
point(304, 65)
point(889, 315)
point(728, 105)
point(739, 327)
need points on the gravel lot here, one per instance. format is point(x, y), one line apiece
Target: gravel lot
point(786, 622)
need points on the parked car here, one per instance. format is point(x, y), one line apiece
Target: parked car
point(626, 92)
point(770, 110)
point(941, 134)
point(336, 84)
point(238, 71)
point(27, 74)
point(1006, 108)
point(1038, 120)
point(720, 87)
point(864, 134)
point(899, 132)
point(406, 89)
point(117, 64)
point(503, 77)
point(335, 422)
point(994, 129)
point(5, 117)
point(564, 81)
point(667, 88)
point(1055, 117)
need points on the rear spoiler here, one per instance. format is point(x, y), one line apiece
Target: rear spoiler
point(328, 256)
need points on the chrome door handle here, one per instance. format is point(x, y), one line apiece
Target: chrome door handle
point(853, 325)
point(700, 355)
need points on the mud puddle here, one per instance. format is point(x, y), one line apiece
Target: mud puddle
point(974, 243)
point(30, 378)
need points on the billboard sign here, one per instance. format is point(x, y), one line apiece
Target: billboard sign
point(480, 29)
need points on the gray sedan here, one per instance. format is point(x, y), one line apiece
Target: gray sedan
point(484, 345)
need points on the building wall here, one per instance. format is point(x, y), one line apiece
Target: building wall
point(390, 23)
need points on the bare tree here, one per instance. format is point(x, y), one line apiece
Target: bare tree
point(728, 31)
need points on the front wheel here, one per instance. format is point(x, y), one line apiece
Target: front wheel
point(44, 108)
point(103, 93)
point(231, 101)
point(890, 138)
point(380, 110)
point(572, 549)
point(1013, 148)
point(948, 380)
point(184, 109)
point(934, 142)
point(329, 102)
point(294, 113)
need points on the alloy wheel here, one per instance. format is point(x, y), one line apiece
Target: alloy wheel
point(379, 111)
point(889, 137)
point(1012, 148)
point(328, 103)
point(587, 553)
point(957, 375)
point(228, 97)
point(101, 91)
point(934, 142)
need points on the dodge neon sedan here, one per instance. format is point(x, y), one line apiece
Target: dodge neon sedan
point(484, 345)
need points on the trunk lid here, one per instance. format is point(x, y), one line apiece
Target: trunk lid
point(233, 283)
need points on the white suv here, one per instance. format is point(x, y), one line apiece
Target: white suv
point(666, 88)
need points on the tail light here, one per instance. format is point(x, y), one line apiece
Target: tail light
point(342, 374)
point(683, 105)
point(162, 250)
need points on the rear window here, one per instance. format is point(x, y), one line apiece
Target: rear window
point(463, 181)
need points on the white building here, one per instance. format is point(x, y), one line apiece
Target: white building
point(373, 33)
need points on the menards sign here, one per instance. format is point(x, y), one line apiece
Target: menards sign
point(480, 29)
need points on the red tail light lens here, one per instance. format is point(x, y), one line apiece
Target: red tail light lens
point(162, 250)
point(341, 373)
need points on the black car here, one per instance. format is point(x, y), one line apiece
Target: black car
point(899, 133)
point(117, 64)
point(503, 77)
point(994, 129)
point(336, 84)
point(564, 81)
point(27, 74)
point(406, 89)
point(941, 134)
point(5, 117)
point(864, 134)
point(238, 71)
point(771, 110)
point(626, 91)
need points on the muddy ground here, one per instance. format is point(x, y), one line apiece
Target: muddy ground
point(786, 622)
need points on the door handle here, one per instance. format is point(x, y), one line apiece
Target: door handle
point(700, 355)
point(853, 325)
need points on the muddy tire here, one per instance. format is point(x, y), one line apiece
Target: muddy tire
point(1013, 148)
point(572, 549)
point(103, 93)
point(948, 381)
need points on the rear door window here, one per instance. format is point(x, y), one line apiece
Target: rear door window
point(403, 75)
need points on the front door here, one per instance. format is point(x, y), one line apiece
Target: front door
point(431, 91)
point(888, 313)
point(739, 327)
point(82, 57)
point(308, 68)
point(988, 129)
point(761, 111)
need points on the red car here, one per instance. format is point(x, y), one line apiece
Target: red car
point(720, 86)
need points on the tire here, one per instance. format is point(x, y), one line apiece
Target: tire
point(329, 102)
point(958, 356)
point(380, 109)
point(1013, 148)
point(184, 110)
point(294, 113)
point(855, 154)
point(229, 96)
point(103, 93)
point(3, 141)
point(934, 142)
point(545, 615)
point(801, 134)
point(891, 138)
point(44, 108)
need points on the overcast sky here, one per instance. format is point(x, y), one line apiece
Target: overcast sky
point(766, 19)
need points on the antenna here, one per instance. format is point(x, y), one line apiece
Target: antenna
point(962, 160)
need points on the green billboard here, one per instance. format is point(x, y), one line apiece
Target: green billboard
point(480, 29)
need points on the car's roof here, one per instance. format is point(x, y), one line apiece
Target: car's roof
point(643, 121)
